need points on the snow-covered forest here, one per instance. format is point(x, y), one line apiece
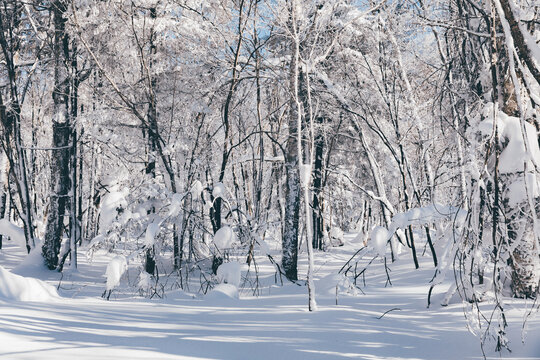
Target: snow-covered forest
point(250, 179)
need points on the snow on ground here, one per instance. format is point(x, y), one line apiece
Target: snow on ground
point(383, 323)
point(16, 287)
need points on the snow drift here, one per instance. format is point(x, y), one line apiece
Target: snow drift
point(20, 288)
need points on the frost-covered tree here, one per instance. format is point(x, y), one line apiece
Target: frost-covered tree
point(181, 133)
point(20, 55)
point(491, 104)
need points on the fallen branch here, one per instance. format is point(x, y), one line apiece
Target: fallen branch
point(386, 312)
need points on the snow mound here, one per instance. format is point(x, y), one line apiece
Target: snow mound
point(20, 288)
point(224, 237)
point(230, 273)
point(331, 283)
point(145, 281)
point(223, 292)
point(32, 265)
point(115, 269)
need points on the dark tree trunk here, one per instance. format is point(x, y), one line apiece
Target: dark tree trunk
point(60, 155)
point(318, 205)
point(150, 262)
point(4, 173)
point(215, 211)
point(292, 215)
point(153, 138)
point(289, 260)
point(59, 193)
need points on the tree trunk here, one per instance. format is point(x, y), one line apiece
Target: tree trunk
point(524, 259)
point(150, 263)
point(60, 182)
point(59, 192)
point(318, 205)
point(215, 211)
point(292, 163)
point(4, 173)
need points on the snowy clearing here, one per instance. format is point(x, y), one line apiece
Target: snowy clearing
point(383, 323)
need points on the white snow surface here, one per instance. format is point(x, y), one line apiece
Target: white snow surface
point(275, 325)
point(223, 292)
point(230, 273)
point(15, 233)
point(32, 265)
point(335, 283)
point(20, 288)
point(224, 237)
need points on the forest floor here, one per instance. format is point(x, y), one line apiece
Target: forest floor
point(380, 322)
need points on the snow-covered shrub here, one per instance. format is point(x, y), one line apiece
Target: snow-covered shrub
point(335, 235)
point(229, 273)
point(115, 270)
point(379, 238)
point(224, 238)
point(509, 183)
point(334, 284)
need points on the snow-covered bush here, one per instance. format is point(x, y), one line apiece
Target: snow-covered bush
point(335, 236)
point(229, 273)
point(115, 270)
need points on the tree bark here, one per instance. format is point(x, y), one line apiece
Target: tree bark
point(318, 204)
point(524, 259)
point(519, 40)
point(60, 182)
point(289, 259)
point(4, 174)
